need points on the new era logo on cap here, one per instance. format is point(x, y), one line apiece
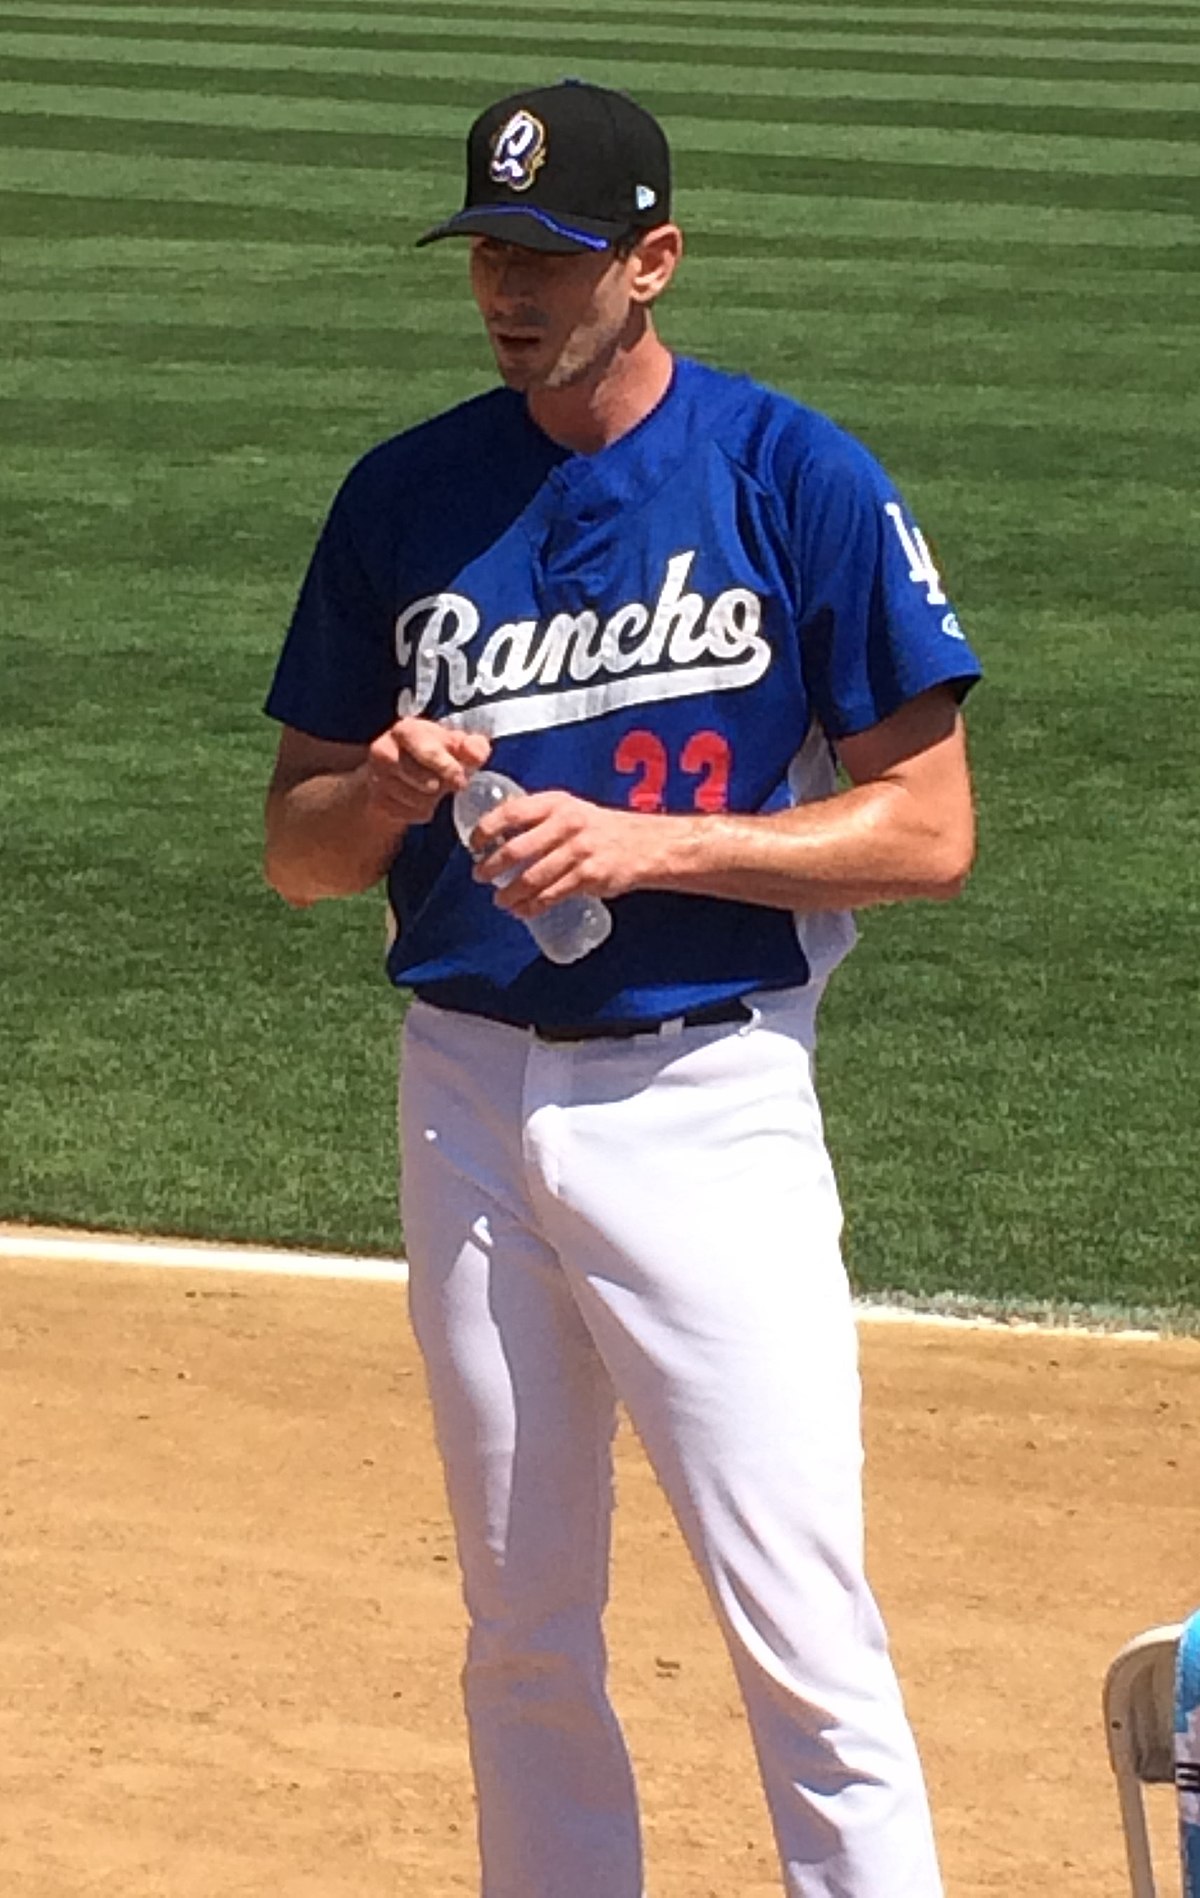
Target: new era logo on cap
point(570, 167)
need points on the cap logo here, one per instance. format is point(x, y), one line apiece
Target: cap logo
point(518, 151)
point(645, 196)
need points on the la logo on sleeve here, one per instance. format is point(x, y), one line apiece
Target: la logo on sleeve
point(921, 568)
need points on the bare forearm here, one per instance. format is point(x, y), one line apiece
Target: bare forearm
point(869, 844)
point(326, 838)
point(874, 843)
point(904, 828)
point(338, 813)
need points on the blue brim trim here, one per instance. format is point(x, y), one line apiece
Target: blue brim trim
point(464, 225)
point(551, 224)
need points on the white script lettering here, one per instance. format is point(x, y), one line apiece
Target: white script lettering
point(679, 647)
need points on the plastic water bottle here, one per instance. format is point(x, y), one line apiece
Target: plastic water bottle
point(574, 927)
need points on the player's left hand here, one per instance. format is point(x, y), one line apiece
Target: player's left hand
point(549, 845)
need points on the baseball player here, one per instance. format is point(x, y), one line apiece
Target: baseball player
point(670, 604)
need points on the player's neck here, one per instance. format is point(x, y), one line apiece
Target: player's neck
point(586, 416)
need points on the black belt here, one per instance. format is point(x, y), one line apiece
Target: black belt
point(735, 1009)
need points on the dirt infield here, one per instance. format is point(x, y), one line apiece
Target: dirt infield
point(229, 1619)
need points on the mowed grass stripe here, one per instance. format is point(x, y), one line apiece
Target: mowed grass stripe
point(859, 346)
point(894, 422)
point(45, 381)
point(993, 565)
point(148, 287)
point(1104, 110)
point(1127, 27)
point(115, 475)
point(1107, 373)
point(493, 59)
point(328, 132)
point(733, 47)
point(343, 416)
point(283, 500)
point(1171, 13)
point(80, 280)
point(44, 223)
point(93, 61)
point(404, 168)
point(290, 201)
point(1025, 12)
point(955, 241)
point(43, 216)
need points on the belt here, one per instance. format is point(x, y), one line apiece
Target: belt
point(735, 1009)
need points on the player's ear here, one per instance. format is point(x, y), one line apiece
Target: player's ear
point(653, 260)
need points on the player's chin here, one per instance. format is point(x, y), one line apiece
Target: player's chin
point(523, 362)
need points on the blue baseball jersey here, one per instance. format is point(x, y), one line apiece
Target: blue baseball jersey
point(684, 621)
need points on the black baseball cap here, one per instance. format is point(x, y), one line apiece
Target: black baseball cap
point(571, 167)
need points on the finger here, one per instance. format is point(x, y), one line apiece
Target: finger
point(471, 749)
point(401, 779)
point(501, 859)
point(426, 745)
point(517, 816)
point(403, 792)
point(412, 775)
point(558, 892)
point(402, 805)
point(552, 877)
point(412, 767)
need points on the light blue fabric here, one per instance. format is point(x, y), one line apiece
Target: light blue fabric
point(1187, 1753)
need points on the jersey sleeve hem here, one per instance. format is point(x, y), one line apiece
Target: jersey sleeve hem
point(861, 715)
point(331, 731)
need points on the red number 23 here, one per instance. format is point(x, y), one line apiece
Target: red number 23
point(705, 757)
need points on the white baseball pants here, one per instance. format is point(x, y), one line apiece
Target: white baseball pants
point(651, 1220)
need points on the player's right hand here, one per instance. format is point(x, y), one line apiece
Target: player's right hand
point(413, 765)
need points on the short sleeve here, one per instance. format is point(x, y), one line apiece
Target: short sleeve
point(876, 626)
point(336, 677)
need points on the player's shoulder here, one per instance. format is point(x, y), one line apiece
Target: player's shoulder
point(448, 443)
point(781, 442)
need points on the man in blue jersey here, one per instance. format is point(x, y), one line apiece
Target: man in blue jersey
point(670, 603)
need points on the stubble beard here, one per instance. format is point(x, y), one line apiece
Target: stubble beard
point(581, 359)
point(585, 355)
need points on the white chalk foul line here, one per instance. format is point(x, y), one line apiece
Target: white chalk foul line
point(202, 1258)
point(197, 1256)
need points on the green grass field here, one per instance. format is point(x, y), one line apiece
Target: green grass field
point(966, 231)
